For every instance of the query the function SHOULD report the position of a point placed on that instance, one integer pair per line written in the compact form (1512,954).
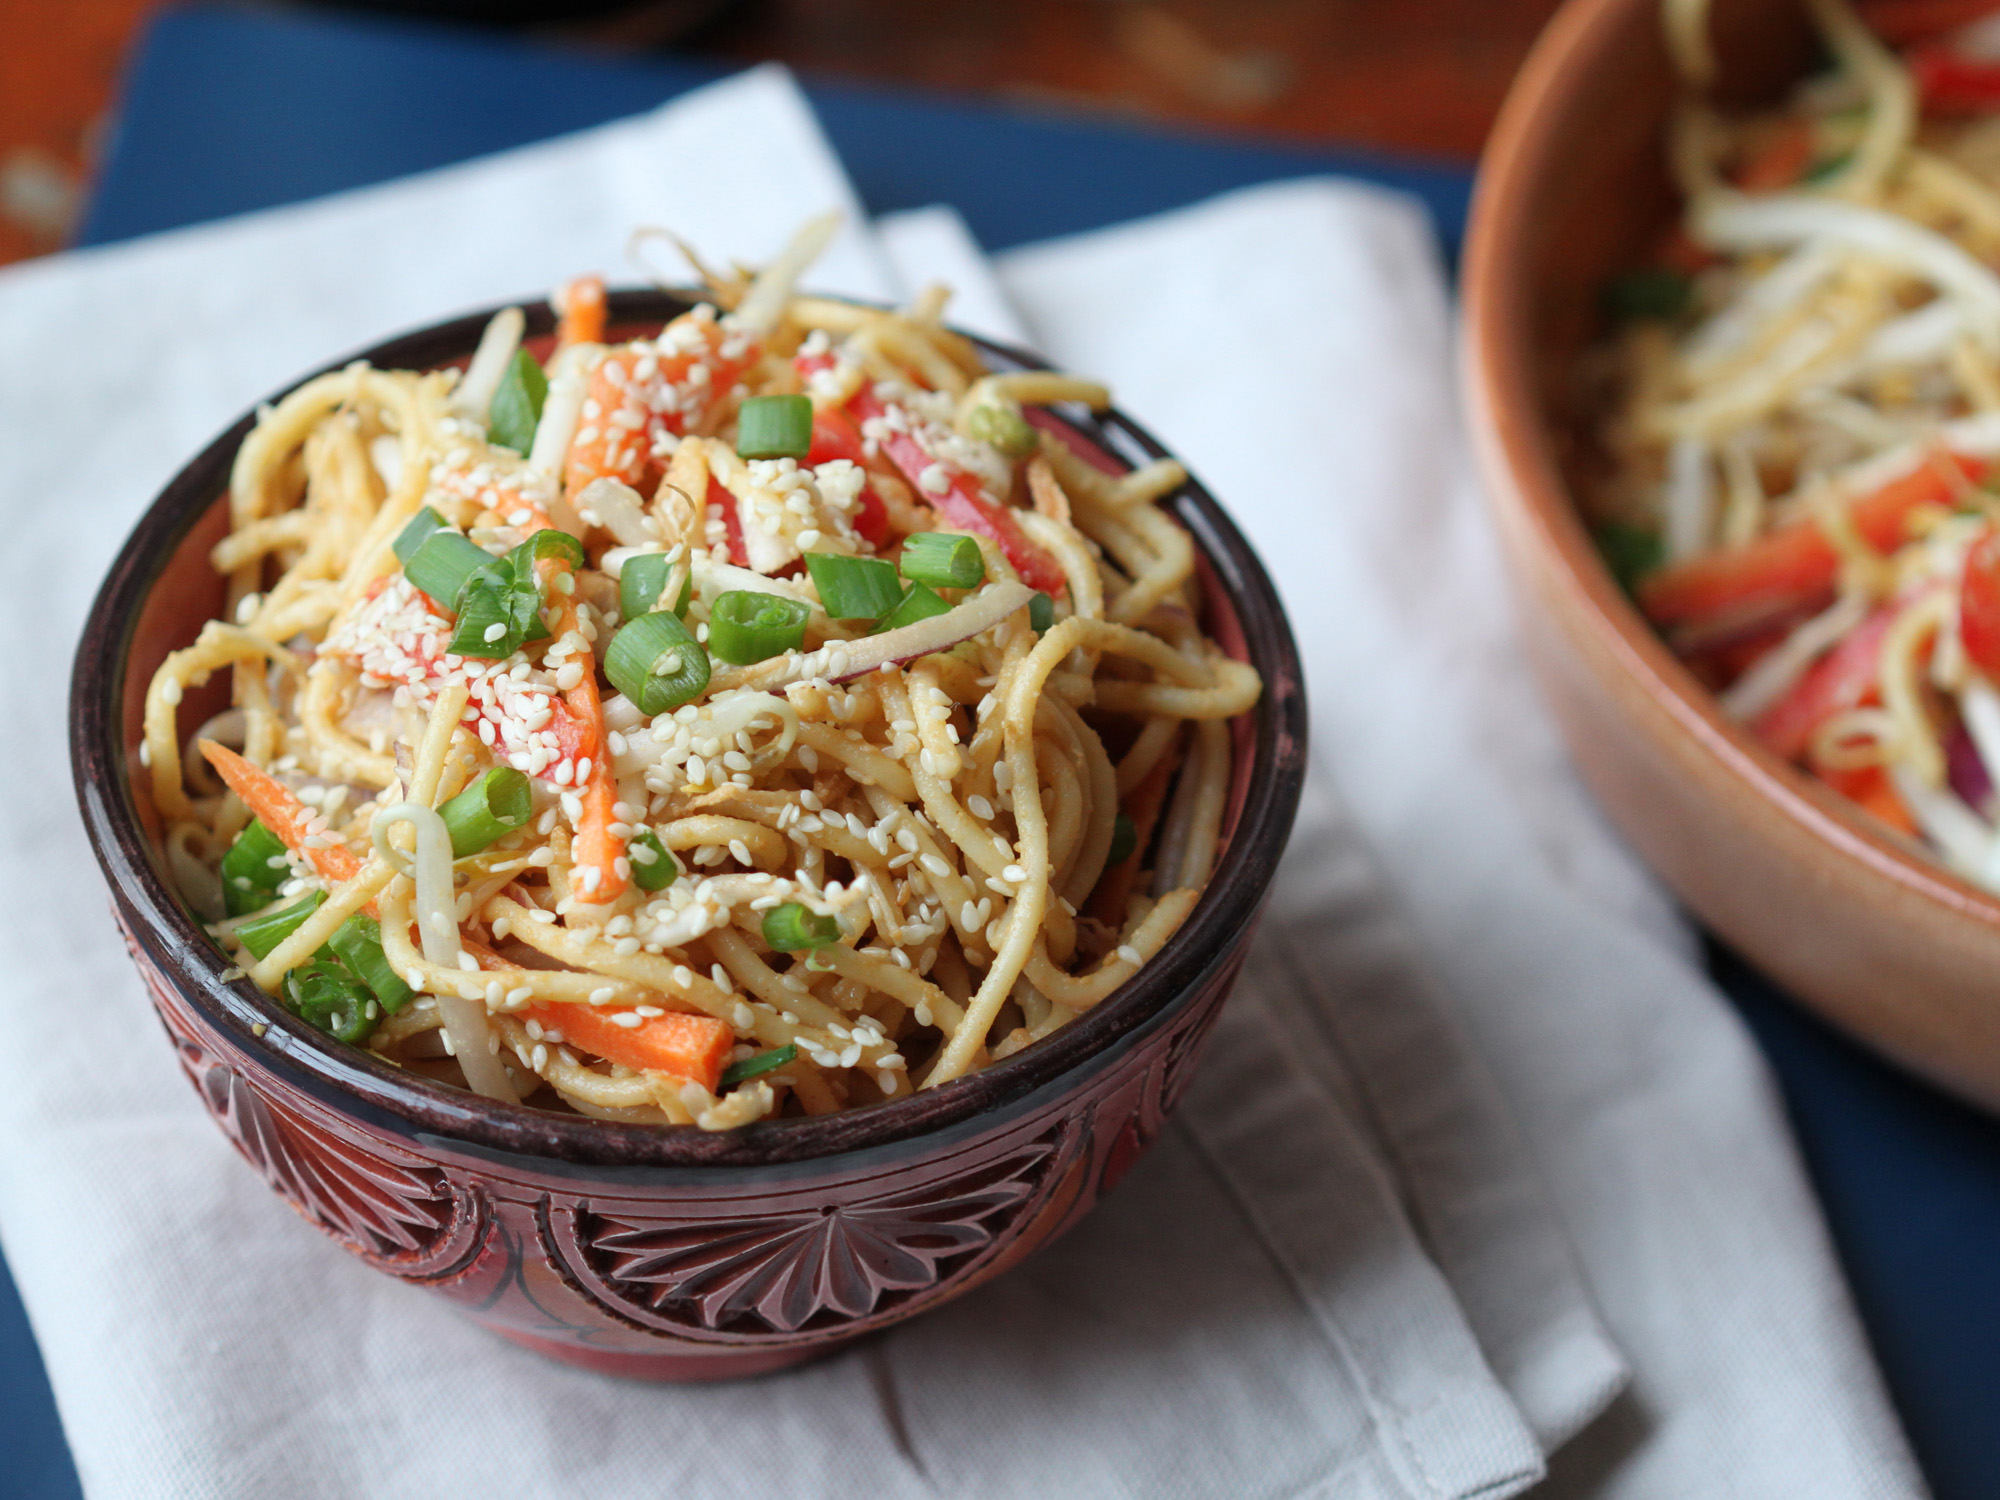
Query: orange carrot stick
(685,1046)
(278,809)
(1779,161)
(595,847)
(582,311)
(1871,788)
(620,444)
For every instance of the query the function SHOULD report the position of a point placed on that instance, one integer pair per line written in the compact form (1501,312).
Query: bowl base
(675,1369)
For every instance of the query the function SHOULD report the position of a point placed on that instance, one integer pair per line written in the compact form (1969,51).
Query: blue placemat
(229,109)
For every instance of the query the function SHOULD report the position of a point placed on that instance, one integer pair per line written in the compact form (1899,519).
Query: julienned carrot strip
(1870,787)
(620,442)
(686,1046)
(1789,566)
(278,809)
(583,312)
(595,847)
(1781,161)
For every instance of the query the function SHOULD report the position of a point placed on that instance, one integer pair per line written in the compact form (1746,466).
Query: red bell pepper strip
(1790,566)
(720,498)
(1949,83)
(1898,22)
(836,436)
(1979,604)
(1846,677)
(961,504)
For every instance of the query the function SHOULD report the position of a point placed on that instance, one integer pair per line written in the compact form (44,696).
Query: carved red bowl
(661,1251)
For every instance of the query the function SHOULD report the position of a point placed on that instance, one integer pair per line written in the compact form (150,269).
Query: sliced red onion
(1965,772)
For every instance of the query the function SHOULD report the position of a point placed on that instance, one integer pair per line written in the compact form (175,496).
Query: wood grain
(1408,75)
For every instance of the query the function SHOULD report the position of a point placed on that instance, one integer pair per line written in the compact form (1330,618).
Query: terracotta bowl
(655,1250)
(1851,918)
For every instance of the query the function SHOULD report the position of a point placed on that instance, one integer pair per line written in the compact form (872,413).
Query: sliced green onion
(640,582)
(1630,552)
(774,427)
(656,662)
(491,808)
(944,560)
(357,943)
(1656,293)
(486,619)
(854,588)
(253,869)
(1005,429)
(654,867)
(499,606)
(545,544)
(744,626)
(417,532)
(919,602)
(1124,839)
(517,404)
(445,564)
(266,932)
(1041,612)
(792,929)
(763,1062)
(327,997)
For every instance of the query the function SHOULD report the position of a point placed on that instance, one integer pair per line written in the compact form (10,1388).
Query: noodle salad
(766,716)
(1804,414)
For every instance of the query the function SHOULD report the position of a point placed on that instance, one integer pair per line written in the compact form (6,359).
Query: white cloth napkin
(1464,1096)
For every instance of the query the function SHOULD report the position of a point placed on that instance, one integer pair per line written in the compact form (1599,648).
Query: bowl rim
(1513,434)
(360,1083)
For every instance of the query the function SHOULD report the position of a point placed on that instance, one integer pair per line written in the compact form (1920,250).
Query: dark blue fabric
(229,109)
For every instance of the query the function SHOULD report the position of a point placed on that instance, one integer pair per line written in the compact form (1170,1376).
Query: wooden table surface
(1416,75)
